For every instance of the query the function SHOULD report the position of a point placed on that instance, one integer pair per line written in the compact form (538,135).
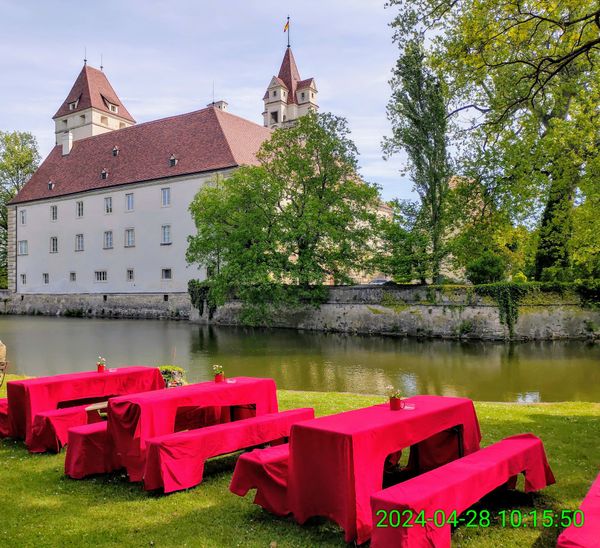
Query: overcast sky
(162,59)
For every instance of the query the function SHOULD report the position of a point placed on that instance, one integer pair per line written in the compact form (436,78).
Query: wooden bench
(176,461)
(576,536)
(50,431)
(265,470)
(445,493)
(4,421)
(90,451)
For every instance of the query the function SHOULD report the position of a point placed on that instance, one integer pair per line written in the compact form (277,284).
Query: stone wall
(174,306)
(426,312)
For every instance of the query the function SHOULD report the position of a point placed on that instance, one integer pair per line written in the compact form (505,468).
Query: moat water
(526,372)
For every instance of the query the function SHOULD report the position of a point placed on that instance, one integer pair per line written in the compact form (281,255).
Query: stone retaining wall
(427,312)
(176,306)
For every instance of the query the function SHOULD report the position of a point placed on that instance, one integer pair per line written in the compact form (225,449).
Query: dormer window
(115,150)
(50,185)
(113,108)
(173,160)
(104,174)
(73,105)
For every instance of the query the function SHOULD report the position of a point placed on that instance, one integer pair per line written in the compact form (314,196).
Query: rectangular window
(130,274)
(129,237)
(129,202)
(108,205)
(108,239)
(166,274)
(23,247)
(165,197)
(165,238)
(23,216)
(53,244)
(53,213)
(23,279)
(79,242)
(101,275)
(73,276)
(46,278)
(79,209)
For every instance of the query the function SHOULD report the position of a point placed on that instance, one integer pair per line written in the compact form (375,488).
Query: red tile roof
(92,89)
(205,140)
(290,77)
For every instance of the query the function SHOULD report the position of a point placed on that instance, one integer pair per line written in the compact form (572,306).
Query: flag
(287,26)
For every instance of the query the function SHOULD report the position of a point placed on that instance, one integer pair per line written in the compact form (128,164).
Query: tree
(19,158)
(417,111)
(403,241)
(527,73)
(275,233)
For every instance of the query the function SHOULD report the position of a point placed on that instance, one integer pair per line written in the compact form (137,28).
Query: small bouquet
(395,395)
(218,372)
(101,364)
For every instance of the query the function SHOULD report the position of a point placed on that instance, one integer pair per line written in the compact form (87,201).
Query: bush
(519,278)
(557,274)
(486,269)
(173,375)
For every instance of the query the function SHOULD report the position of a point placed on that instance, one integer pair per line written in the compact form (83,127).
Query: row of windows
(102,276)
(107,241)
(165,201)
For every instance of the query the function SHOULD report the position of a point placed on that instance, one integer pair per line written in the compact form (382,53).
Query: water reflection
(528,372)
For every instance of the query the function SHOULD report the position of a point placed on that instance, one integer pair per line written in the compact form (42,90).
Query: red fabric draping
(50,430)
(589,534)
(134,419)
(27,398)
(337,461)
(176,461)
(4,422)
(456,487)
(90,451)
(265,470)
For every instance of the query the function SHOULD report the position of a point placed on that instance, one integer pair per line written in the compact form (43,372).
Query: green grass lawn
(41,507)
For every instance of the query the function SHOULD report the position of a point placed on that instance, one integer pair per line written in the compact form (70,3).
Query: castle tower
(91,107)
(288,97)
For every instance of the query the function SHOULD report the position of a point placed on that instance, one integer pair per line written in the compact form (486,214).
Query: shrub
(519,278)
(486,269)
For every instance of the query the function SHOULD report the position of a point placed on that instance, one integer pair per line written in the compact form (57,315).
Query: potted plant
(101,364)
(396,402)
(219,374)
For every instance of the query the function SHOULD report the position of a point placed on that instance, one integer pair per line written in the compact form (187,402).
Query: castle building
(107,210)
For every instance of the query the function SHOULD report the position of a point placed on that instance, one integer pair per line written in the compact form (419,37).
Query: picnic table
(136,418)
(28,397)
(336,462)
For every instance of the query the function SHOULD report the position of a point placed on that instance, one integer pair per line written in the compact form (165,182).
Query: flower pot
(101,367)
(396,404)
(219,377)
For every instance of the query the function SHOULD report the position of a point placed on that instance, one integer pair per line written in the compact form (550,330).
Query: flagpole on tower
(287,28)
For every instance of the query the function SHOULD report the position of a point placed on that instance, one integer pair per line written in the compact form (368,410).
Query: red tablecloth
(457,486)
(26,398)
(337,461)
(136,418)
(589,534)
(4,422)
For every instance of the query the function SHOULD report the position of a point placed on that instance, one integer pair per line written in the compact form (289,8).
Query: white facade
(161,223)
(87,123)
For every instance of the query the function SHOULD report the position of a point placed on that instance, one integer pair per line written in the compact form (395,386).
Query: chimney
(67,142)
(221,105)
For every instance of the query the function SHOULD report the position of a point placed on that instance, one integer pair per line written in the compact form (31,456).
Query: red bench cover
(456,486)
(134,419)
(589,534)
(90,451)
(265,470)
(51,428)
(176,461)
(28,397)
(4,422)
(337,461)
